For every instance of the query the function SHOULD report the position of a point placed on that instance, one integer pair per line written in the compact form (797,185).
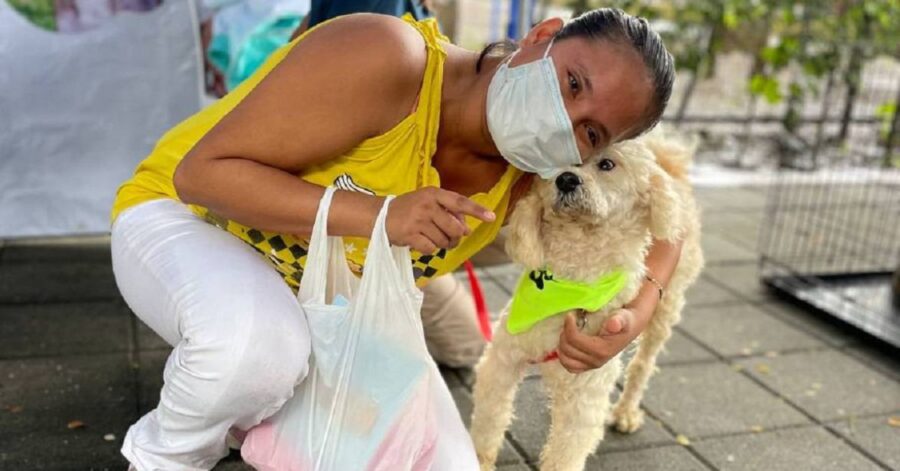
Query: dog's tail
(673,152)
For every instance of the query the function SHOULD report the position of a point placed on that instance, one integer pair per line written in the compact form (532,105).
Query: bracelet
(658,285)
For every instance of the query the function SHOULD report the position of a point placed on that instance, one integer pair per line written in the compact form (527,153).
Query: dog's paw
(627,420)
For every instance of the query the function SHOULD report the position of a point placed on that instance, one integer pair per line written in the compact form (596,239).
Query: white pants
(241,344)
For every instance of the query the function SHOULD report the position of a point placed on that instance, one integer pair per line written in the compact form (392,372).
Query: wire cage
(830,236)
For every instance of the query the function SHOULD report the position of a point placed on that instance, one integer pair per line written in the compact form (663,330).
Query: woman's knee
(250,365)
(269,360)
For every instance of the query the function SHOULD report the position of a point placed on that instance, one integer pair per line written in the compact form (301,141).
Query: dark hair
(616,26)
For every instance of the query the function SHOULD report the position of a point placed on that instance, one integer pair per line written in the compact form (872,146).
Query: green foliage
(885,112)
(766,87)
(40,12)
(811,38)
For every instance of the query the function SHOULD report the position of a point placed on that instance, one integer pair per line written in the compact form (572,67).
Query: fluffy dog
(592,220)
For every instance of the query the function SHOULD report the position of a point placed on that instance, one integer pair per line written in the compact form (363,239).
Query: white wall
(79,111)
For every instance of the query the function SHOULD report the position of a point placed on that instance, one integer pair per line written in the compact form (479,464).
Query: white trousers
(240,342)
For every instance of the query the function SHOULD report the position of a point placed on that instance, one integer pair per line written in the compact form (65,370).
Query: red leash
(481,310)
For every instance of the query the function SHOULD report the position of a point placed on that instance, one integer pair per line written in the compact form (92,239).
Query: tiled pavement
(749,381)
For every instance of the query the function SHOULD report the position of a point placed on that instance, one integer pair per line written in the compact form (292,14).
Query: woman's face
(604,86)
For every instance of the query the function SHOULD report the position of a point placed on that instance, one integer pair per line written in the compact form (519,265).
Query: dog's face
(622,188)
(614,182)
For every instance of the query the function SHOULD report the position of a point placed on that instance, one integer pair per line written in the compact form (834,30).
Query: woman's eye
(592,136)
(606,165)
(573,83)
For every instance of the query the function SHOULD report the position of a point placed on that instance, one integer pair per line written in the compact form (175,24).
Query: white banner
(83,98)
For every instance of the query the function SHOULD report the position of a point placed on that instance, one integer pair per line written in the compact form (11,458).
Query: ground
(750,381)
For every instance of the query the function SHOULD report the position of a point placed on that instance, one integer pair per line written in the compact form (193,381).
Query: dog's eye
(606,165)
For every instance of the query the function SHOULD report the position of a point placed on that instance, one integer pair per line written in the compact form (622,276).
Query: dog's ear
(666,207)
(524,242)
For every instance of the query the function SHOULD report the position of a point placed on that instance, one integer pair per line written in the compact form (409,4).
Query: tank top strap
(428,110)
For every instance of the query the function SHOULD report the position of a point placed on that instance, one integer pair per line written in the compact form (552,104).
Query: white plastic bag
(373,399)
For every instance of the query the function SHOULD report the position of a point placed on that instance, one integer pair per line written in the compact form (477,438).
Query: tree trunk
(702,70)
(853,77)
(820,126)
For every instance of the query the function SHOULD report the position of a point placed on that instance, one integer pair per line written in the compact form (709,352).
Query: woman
(373,105)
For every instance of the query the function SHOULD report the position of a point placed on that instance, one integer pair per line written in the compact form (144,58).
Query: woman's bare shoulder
(370,47)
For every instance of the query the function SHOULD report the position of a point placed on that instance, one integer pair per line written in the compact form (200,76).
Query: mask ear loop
(547,51)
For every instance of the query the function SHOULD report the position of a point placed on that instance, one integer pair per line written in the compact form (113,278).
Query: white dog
(586,233)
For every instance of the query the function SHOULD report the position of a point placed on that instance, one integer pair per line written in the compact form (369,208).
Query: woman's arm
(579,352)
(352,79)
(347,82)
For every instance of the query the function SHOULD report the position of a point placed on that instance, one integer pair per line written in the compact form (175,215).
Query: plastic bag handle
(313,288)
(396,261)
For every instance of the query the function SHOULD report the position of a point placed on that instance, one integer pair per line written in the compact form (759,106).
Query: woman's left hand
(579,352)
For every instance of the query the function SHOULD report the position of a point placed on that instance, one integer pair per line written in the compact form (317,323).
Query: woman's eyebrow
(584,76)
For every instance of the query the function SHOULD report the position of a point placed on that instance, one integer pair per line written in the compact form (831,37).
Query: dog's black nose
(567,182)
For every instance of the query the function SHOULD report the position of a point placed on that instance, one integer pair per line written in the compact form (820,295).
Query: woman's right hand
(431,218)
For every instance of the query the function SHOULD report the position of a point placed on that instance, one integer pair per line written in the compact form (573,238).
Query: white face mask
(527,118)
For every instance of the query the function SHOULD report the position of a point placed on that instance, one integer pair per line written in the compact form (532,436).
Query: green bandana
(539,295)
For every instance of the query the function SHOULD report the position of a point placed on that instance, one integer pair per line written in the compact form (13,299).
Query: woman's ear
(542,31)
(666,207)
(524,242)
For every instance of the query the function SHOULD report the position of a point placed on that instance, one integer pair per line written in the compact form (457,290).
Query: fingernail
(489,215)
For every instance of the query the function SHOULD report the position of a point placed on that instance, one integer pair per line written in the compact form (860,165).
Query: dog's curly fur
(608,222)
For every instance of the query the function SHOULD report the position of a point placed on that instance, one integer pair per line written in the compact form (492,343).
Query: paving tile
(681,349)
(91,251)
(532,419)
(532,423)
(739,227)
(491,255)
(712,398)
(507,276)
(148,339)
(875,435)
(451,377)
(508,282)
(61,451)
(718,249)
(513,467)
(65,328)
(878,356)
(651,433)
(496,297)
(744,198)
(95,389)
(233,462)
(742,279)
(49,282)
(827,384)
(794,449)
(703,293)
(667,458)
(743,329)
(508,454)
(830,330)
(150,378)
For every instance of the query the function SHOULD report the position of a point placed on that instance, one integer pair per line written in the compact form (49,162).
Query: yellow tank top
(394,163)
